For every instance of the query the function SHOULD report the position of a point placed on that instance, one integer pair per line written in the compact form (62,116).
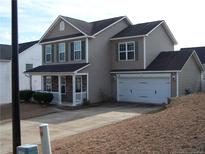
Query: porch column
(73,83)
(42,83)
(59,89)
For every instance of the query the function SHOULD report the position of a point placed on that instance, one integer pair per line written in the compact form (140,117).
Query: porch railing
(80,97)
(56,98)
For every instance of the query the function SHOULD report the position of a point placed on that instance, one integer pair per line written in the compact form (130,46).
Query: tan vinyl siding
(100,63)
(157,41)
(55,32)
(190,77)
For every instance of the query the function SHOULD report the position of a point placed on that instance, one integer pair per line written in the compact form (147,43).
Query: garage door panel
(149,90)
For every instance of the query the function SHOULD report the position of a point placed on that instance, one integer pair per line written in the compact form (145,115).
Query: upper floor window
(61,52)
(77,50)
(62,26)
(126,51)
(29,66)
(48,53)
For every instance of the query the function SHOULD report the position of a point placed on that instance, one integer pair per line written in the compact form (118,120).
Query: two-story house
(113,58)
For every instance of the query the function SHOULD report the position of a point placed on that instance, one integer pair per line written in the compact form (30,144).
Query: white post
(59,89)
(73,80)
(45,139)
(42,83)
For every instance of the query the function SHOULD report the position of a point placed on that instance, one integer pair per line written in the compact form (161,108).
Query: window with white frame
(126,51)
(48,83)
(62,26)
(77,50)
(48,53)
(61,52)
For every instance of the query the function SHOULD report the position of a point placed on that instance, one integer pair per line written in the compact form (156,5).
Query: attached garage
(146,88)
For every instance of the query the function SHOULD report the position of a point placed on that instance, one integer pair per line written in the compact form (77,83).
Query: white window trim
(59,52)
(126,51)
(46,53)
(62,26)
(74,51)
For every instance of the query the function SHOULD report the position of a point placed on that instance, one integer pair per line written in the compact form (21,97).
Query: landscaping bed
(180,128)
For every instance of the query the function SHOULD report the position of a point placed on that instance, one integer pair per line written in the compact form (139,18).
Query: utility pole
(16,128)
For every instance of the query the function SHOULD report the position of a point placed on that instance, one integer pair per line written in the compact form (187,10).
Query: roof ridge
(147,22)
(107,19)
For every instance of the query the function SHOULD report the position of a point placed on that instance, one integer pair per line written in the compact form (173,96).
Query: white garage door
(148,90)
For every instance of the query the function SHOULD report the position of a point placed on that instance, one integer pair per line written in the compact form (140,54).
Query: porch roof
(58,68)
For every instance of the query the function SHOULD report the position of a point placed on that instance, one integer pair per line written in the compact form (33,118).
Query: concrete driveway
(68,123)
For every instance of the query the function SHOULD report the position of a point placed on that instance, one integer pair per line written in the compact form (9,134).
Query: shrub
(25,95)
(188,91)
(43,98)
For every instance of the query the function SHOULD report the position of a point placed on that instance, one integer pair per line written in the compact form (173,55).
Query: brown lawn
(179,128)
(27,110)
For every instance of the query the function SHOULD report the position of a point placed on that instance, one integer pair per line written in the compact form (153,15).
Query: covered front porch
(66,82)
(68,90)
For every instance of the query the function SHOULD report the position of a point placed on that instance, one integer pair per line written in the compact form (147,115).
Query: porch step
(69,107)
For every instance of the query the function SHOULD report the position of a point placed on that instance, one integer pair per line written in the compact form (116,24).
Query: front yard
(180,128)
(27,110)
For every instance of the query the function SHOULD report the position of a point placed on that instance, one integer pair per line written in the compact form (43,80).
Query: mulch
(180,128)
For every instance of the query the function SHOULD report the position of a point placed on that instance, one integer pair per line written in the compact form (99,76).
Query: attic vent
(62,26)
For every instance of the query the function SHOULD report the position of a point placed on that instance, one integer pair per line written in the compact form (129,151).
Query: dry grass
(27,110)
(179,128)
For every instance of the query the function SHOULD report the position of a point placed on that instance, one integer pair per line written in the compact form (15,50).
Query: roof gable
(86,28)
(200,52)
(143,29)
(138,29)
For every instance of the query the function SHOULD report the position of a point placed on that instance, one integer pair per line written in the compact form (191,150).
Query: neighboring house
(30,56)
(201,54)
(5,75)
(112,58)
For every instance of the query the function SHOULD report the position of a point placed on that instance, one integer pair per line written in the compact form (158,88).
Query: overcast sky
(185,18)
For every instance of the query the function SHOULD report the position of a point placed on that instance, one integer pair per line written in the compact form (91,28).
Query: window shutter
(52,52)
(43,54)
(72,50)
(57,53)
(83,49)
(136,50)
(66,51)
(116,51)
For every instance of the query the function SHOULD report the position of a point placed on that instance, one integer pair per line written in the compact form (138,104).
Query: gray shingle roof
(91,28)
(138,29)
(6,50)
(200,52)
(166,61)
(57,68)
(26,45)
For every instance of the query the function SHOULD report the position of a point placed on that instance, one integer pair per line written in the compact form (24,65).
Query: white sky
(185,18)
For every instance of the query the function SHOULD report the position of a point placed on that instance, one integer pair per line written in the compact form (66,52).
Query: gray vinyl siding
(68,53)
(173,85)
(190,77)
(100,63)
(138,63)
(157,41)
(55,32)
